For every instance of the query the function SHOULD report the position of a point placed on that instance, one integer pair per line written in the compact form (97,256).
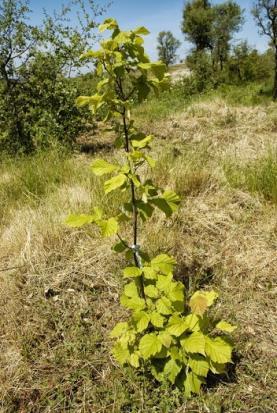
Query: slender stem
(133,191)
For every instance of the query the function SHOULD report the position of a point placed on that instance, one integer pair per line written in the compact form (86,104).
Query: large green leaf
(199,365)
(141,31)
(176,326)
(77,221)
(134,303)
(157,319)
(163,306)
(131,290)
(151,291)
(195,343)
(149,346)
(101,167)
(193,384)
(132,272)
(114,183)
(226,327)
(163,263)
(171,370)
(108,227)
(142,320)
(201,300)
(119,329)
(219,350)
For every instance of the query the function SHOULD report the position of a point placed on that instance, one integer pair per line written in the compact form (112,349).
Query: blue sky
(158,15)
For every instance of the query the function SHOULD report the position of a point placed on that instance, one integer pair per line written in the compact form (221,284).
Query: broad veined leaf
(109,24)
(165,338)
(77,221)
(219,350)
(172,199)
(199,365)
(151,162)
(151,291)
(134,303)
(164,282)
(149,273)
(176,292)
(142,143)
(119,329)
(192,321)
(195,343)
(201,300)
(142,320)
(131,290)
(120,247)
(127,339)
(217,368)
(122,355)
(163,306)
(134,360)
(176,326)
(108,227)
(226,327)
(149,346)
(163,263)
(101,167)
(157,319)
(114,183)
(141,31)
(158,69)
(193,384)
(171,370)
(132,272)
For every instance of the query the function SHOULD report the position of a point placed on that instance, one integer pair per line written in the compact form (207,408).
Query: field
(59,288)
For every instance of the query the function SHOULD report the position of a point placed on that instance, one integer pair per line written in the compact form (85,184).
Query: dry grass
(58,306)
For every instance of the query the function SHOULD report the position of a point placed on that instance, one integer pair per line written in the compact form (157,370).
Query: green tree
(228,18)
(265,14)
(166,332)
(198,17)
(167,47)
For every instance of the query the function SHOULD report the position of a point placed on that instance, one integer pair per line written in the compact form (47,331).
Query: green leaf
(134,360)
(142,143)
(142,320)
(151,291)
(219,350)
(100,167)
(163,263)
(171,370)
(109,24)
(119,330)
(195,343)
(109,227)
(165,339)
(122,355)
(172,199)
(149,346)
(176,326)
(141,31)
(163,306)
(226,327)
(192,322)
(149,273)
(199,365)
(119,247)
(151,162)
(131,290)
(193,384)
(114,183)
(176,292)
(164,282)
(77,221)
(134,303)
(132,272)
(158,69)
(157,319)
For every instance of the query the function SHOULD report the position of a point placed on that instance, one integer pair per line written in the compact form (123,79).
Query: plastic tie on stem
(136,250)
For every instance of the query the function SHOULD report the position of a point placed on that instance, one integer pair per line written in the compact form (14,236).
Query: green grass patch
(259,176)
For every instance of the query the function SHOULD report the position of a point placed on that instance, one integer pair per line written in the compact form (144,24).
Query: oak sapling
(166,330)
